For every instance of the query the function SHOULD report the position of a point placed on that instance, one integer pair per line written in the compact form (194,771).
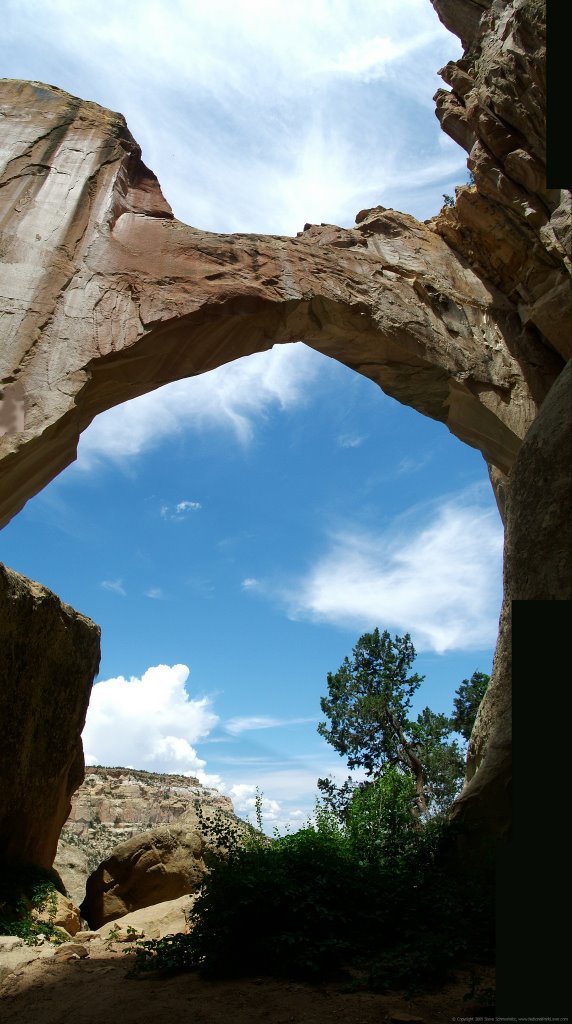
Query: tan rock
(70,951)
(46,648)
(116,297)
(162,864)
(72,865)
(167,918)
(114,804)
(62,913)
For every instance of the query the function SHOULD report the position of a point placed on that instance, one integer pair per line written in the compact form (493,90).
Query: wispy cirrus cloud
(234,398)
(248,723)
(350,440)
(436,574)
(115,586)
(273,93)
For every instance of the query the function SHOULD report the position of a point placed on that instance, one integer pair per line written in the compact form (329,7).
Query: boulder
(49,655)
(163,864)
(167,918)
(63,914)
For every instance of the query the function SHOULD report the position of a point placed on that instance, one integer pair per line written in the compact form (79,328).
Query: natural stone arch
(466,317)
(109,296)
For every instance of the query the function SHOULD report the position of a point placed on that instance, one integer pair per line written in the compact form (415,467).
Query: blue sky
(234,534)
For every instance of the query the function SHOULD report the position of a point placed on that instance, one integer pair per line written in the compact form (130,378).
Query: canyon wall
(49,655)
(466,318)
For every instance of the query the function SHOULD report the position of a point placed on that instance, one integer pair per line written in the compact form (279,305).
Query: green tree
(466,703)
(368,707)
(442,758)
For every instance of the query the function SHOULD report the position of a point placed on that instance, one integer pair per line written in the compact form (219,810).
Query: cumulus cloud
(150,722)
(437,577)
(233,398)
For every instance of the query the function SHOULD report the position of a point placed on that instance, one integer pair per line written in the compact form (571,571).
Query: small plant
(112,935)
(25,891)
(448,200)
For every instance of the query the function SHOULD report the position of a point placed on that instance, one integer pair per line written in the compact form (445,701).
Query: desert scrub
(24,889)
(336,901)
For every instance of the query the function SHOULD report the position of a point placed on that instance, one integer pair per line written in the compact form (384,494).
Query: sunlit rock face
(161,864)
(512,229)
(114,804)
(108,296)
(105,296)
(49,655)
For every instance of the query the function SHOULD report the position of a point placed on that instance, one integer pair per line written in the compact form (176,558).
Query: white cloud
(150,722)
(350,440)
(438,578)
(155,593)
(248,723)
(233,397)
(116,586)
(243,797)
(239,134)
(180,509)
(250,583)
(369,59)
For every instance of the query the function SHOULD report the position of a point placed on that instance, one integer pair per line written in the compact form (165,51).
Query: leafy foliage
(24,889)
(466,703)
(371,899)
(368,704)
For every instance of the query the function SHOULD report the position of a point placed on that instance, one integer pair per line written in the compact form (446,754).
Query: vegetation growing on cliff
(25,891)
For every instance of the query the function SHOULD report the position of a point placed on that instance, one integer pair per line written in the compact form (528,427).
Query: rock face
(162,864)
(114,804)
(465,318)
(108,296)
(49,655)
(512,229)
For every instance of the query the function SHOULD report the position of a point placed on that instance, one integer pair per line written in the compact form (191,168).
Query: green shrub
(23,889)
(335,901)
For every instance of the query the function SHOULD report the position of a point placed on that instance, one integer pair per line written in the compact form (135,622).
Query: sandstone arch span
(108,296)
(104,295)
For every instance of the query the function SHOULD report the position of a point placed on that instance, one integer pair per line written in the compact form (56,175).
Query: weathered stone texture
(107,296)
(49,655)
(466,318)
(511,228)
(159,865)
(114,804)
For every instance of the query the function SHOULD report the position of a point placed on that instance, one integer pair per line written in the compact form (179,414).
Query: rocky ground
(95,988)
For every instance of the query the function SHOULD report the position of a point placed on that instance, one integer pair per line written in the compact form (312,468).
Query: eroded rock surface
(167,862)
(49,655)
(114,804)
(106,296)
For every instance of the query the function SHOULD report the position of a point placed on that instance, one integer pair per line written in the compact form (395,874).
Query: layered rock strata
(49,655)
(114,804)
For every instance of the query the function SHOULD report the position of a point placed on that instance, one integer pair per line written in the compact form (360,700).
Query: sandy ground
(96,990)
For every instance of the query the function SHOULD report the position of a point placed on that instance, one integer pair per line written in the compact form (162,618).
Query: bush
(23,889)
(334,900)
